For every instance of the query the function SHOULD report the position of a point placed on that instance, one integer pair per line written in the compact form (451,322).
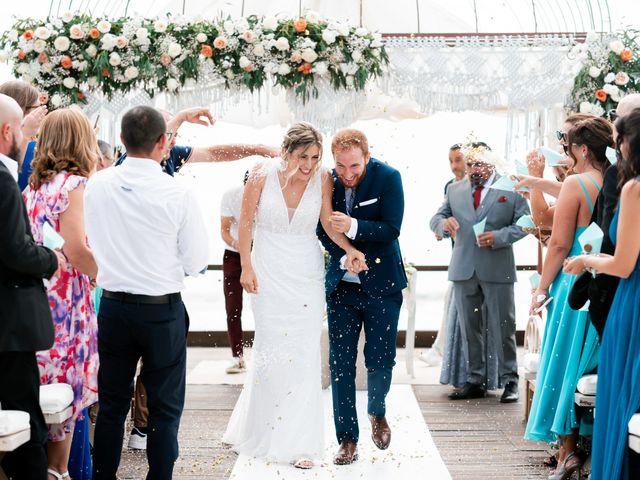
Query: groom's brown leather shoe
(347,453)
(380,432)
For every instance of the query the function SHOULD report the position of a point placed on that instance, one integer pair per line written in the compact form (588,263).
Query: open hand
(195,115)
(535,164)
(31,122)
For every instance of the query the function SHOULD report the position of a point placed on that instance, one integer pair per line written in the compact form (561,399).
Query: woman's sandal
(304,463)
(57,475)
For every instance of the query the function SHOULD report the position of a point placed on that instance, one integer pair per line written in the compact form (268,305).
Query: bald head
(10,127)
(627,104)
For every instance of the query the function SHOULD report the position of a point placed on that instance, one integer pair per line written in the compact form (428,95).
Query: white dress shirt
(230,206)
(145,229)
(11,164)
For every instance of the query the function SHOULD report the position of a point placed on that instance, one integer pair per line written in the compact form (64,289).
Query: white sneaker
(237,366)
(137,439)
(431,357)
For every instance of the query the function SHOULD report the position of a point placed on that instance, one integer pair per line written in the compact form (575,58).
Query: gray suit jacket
(502,210)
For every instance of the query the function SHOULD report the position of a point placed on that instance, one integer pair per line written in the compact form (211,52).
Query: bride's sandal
(304,463)
(57,475)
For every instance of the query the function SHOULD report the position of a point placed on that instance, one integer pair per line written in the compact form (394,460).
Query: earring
(584,157)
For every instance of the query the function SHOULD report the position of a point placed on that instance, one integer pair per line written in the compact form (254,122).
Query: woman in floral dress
(66,155)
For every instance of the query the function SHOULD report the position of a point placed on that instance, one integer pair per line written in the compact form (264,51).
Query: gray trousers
(487,309)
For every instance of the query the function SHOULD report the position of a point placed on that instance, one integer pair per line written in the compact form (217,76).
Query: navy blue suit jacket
(379,207)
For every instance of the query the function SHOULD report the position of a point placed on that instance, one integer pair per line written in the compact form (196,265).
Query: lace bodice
(273,214)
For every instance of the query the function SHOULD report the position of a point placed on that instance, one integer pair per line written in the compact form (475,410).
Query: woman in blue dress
(618,393)
(570,343)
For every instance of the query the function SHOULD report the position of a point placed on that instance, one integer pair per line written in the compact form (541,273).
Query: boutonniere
(502,199)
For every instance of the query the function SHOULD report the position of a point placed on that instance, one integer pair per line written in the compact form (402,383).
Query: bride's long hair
(300,135)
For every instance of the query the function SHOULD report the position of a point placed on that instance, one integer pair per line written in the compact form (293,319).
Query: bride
(279,414)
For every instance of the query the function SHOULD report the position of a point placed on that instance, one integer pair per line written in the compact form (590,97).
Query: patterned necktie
(476,196)
(349,197)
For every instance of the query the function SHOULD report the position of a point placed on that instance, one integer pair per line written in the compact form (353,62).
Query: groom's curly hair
(349,138)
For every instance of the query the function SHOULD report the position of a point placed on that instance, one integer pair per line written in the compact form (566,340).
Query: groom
(368,205)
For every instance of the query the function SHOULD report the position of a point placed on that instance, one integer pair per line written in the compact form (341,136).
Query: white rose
(69,82)
(616,47)
(42,32)
(609,77)
(131,72)
(595,72)
(229,74)
(47,67)
(357,56)
(284,69)
(609,88)
(343,30)
(244,62)
(122,41)
(309,55)
(321,68)
(258,50)
(114,59)
(361,32)
(329,36)
(282,44)
(585,107)
(248,36)
(622,78)
(349,80)
(108,41)
(172,84)
(312,16)
(23,69)
(104,26)
(61,43)
(174,50)
(160,26)
(201,38)
(92,50)
(67,16)
(270,23)
(56,100)
(4,56)
(142,32)
(76,32)
(92,82)
(39,45)
(229,27)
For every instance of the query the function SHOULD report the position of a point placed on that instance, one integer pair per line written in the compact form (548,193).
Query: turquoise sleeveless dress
(618,395)
(569,350)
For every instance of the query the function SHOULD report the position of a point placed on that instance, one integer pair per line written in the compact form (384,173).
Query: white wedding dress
(279,414)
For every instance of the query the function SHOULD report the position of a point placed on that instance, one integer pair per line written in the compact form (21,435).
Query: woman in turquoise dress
(570,343)
(618,394)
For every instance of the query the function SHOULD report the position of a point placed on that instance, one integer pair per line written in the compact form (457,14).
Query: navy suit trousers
(348,309)
(126,333)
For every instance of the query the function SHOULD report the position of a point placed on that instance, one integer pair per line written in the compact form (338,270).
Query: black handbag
(579,293)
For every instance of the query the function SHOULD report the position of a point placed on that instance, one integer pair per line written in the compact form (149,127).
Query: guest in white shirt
(231,270)
(146,232)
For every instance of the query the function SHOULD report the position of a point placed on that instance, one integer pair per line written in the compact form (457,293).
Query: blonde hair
(301,135)
(22,92)
(66,143)
(348,138)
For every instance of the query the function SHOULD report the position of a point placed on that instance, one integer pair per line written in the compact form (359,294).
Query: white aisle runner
(412,453)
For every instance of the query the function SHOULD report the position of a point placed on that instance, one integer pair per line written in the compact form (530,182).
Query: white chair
(585,395)
(532,343)
(14,429)
(56,401)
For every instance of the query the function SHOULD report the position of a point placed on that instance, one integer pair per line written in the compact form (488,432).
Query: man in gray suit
(482,268)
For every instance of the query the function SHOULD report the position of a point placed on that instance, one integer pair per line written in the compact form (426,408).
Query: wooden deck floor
(479,439)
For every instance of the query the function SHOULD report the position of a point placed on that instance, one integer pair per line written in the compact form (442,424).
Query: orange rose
(305,68)
(165,59)
(300,25)
(21,54)
(206,51)
(43,57)
(81,96)
(626,55)
(28,35)
(94,33)
(66,62)
(105,72)
(43,98)
(601,95)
